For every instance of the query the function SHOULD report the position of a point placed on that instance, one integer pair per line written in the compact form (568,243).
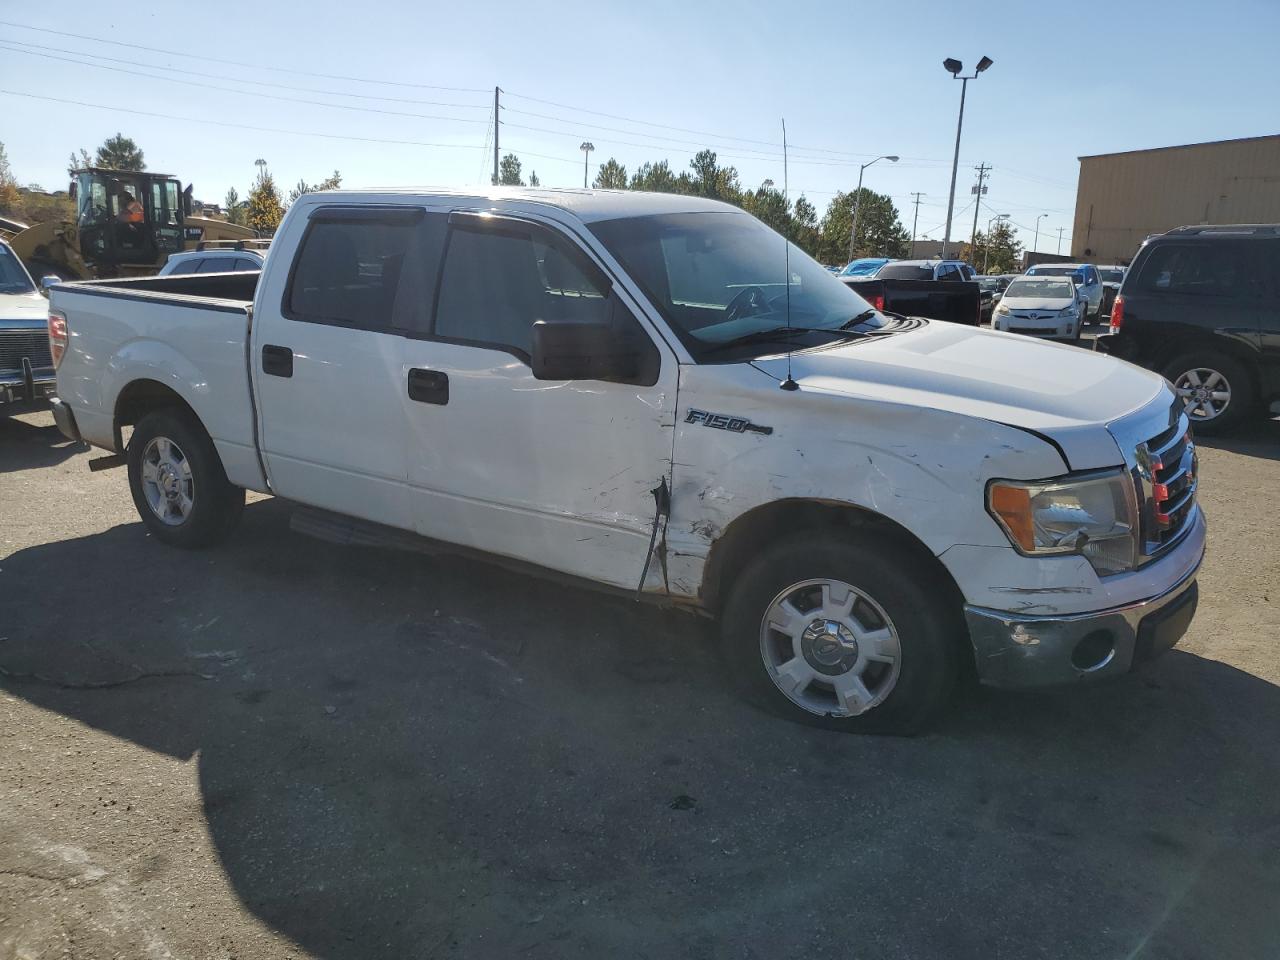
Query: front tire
(178,485)
(1216,390)
(843,635)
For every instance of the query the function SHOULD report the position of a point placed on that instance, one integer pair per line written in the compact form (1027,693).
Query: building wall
(1123,198)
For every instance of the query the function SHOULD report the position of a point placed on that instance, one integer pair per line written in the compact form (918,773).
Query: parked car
(1049,307)
(992,288)
(1086,278)
(951,271)
(634,391)
(218,257)
(864,267)
(1202,306)
(26,368)
(1112,277)
(934,289)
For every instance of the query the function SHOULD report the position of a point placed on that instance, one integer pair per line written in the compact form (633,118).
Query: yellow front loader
(127,224)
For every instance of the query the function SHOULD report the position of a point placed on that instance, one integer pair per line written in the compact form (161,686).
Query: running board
(352,531)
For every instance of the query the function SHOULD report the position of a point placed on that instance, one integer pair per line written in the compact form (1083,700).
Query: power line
(239,63)
(248,93)
(224,77)
(239,126)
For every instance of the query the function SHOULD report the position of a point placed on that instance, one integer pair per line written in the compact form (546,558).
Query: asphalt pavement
(283,748)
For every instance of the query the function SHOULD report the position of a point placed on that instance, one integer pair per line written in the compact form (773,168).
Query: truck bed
(951,300)
(184,334)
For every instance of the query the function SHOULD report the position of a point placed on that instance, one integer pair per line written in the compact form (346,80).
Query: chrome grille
(1166,478)
(32,344)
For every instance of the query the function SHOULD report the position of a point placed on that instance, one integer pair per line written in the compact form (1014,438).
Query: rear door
(1192,296)
(327,361)
(559,474)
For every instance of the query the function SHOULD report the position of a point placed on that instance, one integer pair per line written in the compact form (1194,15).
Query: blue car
(864,267)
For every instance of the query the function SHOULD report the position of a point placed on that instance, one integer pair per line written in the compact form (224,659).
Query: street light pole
(586,148)
(1035,244)
(857,199)
(954,67)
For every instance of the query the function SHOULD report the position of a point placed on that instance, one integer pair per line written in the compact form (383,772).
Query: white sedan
(1048,307)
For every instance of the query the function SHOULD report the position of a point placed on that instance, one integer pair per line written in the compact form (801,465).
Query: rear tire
(862,640)
(1216,388)
(178,485)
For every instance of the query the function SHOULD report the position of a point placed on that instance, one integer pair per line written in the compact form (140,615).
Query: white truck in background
(635,390)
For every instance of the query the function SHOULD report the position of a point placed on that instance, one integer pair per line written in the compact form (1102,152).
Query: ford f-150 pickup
(654,394)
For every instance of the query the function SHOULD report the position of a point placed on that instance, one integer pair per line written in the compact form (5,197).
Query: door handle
(428,386)
(277,361)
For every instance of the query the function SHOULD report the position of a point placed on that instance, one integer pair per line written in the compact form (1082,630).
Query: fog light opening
(1094,651)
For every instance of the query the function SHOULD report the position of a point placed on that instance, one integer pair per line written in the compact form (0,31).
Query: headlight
(1002,309)
(1094,516)
(1068,312)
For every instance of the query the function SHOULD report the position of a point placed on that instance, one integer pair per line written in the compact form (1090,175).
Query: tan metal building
(1125,197)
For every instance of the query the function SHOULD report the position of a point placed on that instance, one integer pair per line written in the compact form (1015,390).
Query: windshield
(1051,271)
(1112,276)
(1035,289)
(13,276)
(907,271)
(990,283)
(717,277)
(863,268)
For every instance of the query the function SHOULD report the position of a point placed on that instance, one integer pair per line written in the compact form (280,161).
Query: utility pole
(978,191)
(914,220)
(496,107)
(1060,229)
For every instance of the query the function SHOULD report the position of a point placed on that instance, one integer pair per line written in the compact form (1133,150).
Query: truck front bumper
(26,385)
(1014,650)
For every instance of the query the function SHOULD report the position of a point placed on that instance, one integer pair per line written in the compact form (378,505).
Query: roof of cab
(586,205)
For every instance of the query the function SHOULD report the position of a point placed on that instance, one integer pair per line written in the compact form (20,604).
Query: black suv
(1202,306)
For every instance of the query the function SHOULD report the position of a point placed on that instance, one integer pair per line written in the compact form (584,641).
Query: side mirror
(50,280)
(567,350)
(186,201)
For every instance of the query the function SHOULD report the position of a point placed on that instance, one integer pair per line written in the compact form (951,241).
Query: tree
(804,226)
(533,179)
(237,210)
(265,208)
(612,176)
(712,180)
(880,232)
(119,153)
(76,163)
(509,171)
(770,207)
(658,178)
(999,251)
(10,199)
(328,183)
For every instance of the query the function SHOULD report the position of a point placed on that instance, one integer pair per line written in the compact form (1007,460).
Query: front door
(327,362)
(560,474)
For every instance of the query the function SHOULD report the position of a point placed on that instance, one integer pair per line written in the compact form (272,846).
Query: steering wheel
(753,298)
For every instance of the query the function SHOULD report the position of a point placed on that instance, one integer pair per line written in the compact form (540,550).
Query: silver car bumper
(1029,651)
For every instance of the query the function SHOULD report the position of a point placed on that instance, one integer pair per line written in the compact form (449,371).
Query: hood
(1037,303)
(23,306)
(1063,392)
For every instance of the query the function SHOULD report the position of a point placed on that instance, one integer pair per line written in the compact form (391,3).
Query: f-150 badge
(723,421)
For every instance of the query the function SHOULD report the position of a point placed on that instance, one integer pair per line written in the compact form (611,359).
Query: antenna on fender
(789,383)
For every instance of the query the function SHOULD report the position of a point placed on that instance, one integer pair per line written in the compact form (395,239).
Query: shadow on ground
(30,446)
(1260,438)
(403,756)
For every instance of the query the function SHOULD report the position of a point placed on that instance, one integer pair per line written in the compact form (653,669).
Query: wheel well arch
(141,397)
(770,522)
(1241,353)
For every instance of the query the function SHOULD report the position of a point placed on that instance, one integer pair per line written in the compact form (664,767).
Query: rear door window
(1198,270)
(372,268)
(216,265)
(186,266)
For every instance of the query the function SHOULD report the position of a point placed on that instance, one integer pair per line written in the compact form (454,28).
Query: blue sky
(854,80)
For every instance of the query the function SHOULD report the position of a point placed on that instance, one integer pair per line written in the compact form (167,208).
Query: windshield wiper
(779,333)
(854,321)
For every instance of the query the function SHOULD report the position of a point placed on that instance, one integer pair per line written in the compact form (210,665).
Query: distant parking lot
(282,748)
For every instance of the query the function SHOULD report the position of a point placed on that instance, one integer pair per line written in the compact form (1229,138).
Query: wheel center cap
(829,646)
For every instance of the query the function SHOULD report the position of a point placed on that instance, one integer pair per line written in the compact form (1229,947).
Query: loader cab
(128,218)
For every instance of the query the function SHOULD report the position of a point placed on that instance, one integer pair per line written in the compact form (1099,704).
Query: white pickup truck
(650,393)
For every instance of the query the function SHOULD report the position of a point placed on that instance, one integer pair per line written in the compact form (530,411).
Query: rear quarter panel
(194,347)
